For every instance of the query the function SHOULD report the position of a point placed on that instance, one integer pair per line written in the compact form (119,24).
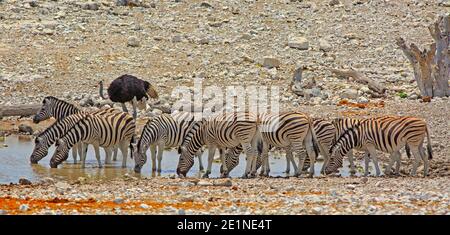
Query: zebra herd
(231,133)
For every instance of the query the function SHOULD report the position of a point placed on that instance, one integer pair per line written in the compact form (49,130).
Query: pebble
(350,186)
(300,43)
(118,200)
(3,212)
(349,94)
(181,212)
(23,207)
(378,184)
(324,45)
(23,181)
(25,129)
(63,186)
(133,41)
(144,206)
(271,62)
(204,183)
(317,210)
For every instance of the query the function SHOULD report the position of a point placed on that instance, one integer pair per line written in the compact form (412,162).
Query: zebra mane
(193,128)
(348,132)
(74,124)
(59,100)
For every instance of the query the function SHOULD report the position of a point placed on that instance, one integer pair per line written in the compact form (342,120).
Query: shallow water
(14,164)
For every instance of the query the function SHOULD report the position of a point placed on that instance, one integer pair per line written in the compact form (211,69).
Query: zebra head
(185,163)
(40,150)
(61,153)
(45,112)
(139,157)
(347,141)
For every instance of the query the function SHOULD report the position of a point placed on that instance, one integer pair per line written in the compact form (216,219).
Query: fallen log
(19,110)
(359,77)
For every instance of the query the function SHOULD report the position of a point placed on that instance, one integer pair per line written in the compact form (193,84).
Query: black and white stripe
(225,130)
(166,130)
(116,129)
(387,134)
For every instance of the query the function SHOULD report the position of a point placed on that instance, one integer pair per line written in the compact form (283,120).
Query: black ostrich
(128,88)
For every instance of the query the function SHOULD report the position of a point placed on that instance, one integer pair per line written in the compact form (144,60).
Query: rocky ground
(63,48)
(236,196)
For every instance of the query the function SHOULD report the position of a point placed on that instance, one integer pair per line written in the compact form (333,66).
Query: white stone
(300,43)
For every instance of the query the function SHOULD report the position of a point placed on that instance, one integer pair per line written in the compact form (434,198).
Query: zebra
(387,135)
(225,130)
(325,135)
(290,131)
(166,130)
(343,124)
(105,131)
(48,137)
(59,109)
(232,159)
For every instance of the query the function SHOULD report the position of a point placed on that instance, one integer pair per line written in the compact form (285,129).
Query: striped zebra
(166,130)
(232,159)
(343,124)
(225,130)
(59,109)
(105,131)
(387,134)
(48,137)
(290,131)
(325,133)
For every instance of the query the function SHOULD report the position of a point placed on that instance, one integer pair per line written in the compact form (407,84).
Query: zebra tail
(408,151)
(317,147)
(430,151)
(131,146)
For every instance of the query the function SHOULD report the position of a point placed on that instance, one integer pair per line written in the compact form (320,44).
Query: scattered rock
(324,45)
(378,184)
(62,186)
(181,212)
(364,180)
(23,207)
(349,94)
(350,186)
(334,3)
(271,62)
(3,212)
(317,210)
(226,183)
(23,128)
(144,206)
(118,200)
(300,43)
(204,183)
(206,4)
(23,181)
(93,6)
(133,41)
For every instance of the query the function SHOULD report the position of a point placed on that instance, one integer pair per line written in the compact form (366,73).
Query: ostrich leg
(124,107)
(133,102)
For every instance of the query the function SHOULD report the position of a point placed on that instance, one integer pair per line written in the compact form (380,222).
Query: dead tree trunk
(359,77)
(431,67)
(19,110)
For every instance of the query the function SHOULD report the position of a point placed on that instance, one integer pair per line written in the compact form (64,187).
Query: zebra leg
(200,163)
(373,155)
(115,153)
(124,149)
(366,164)
(250,154)
(74,152)
(80,150)
(292,160)
(311,154)
(222,159)
(388,170)
(288,162)
(153,155)
(97,155)
(160,156)
(265,168)
(352,163)
(425,160)
(108,152)
(108,156)
(211,153)
(83,155)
